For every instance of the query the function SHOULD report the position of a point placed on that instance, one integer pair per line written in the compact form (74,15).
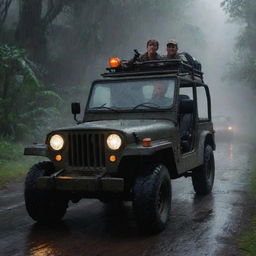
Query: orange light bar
(58,158)
(114,62)
(146,142)
(112,158)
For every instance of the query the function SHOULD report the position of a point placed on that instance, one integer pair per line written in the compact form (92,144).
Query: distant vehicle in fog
(224,127)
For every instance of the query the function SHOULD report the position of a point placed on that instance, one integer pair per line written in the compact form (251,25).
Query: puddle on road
(11,207)
(203,215)
(198,225)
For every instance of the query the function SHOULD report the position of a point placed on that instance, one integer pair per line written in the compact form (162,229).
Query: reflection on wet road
(198,225)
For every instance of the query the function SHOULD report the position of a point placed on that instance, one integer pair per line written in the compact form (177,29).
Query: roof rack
(154,67)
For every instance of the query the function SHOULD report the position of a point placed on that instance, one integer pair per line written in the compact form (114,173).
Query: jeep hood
(155,129)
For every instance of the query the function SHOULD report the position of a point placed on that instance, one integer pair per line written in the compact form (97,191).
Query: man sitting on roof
(172,51)
(151,54)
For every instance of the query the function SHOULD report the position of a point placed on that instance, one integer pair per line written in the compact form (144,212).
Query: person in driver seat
(158,97)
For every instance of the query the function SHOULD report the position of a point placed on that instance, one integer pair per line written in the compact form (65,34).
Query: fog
(205,31)
(229,97)
(215,47)
(209,35)
(220,37)
(216,52)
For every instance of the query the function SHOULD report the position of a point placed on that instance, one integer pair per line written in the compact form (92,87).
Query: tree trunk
(30,33)
(4,7)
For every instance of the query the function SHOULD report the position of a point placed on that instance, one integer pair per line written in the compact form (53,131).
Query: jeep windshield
(132,95)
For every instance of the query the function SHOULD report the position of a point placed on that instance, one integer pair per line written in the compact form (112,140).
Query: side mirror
(75,108)
(186,106)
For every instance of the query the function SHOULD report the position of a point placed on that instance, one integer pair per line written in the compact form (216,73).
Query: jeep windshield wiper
(103,107)
(150,105)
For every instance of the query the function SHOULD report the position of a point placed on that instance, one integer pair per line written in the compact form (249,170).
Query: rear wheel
(43,206)
(203,176)
(152,199)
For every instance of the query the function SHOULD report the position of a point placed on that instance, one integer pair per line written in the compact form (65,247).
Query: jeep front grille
(86,149)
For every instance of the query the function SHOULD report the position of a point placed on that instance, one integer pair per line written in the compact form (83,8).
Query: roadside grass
(14,170)
(247,242)
(13,164)
(254,179)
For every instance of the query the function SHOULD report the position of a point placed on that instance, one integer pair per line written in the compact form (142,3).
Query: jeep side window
(202,104)
(187,91)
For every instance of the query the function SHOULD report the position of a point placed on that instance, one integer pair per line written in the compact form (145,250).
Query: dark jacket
(178,56)
(162,101)
(144,57)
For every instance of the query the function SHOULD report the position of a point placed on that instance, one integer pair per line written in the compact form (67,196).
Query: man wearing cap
(151,54)
(172,51)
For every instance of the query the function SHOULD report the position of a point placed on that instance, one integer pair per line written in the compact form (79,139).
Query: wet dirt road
(198,225)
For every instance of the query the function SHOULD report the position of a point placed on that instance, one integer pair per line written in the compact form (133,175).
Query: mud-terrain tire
(43,206)
(152,199)
(203,176)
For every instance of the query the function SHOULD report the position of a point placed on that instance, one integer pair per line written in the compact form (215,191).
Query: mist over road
(198,225)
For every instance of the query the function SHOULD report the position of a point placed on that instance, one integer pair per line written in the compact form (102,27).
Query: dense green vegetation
(244,67)
(67,44)
(24,103)
(25,110)
(13,165)
(51,49)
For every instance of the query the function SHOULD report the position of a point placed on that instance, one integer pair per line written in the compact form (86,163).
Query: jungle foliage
(4,7)
(67,44)
(243,11)
(24,103)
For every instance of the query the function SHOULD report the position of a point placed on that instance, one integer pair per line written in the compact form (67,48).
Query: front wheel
(43,206)
(203,176)
(152,199)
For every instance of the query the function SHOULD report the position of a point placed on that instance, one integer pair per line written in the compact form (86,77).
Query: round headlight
(114,141)
(56,142)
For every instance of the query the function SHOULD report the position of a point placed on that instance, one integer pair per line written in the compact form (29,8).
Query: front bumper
(85,184)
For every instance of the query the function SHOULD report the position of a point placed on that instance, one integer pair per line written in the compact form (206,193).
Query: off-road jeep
(129,144)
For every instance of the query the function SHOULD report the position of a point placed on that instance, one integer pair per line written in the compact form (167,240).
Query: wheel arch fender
(161,154)
(37,150)
(167,158)
(206,138)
